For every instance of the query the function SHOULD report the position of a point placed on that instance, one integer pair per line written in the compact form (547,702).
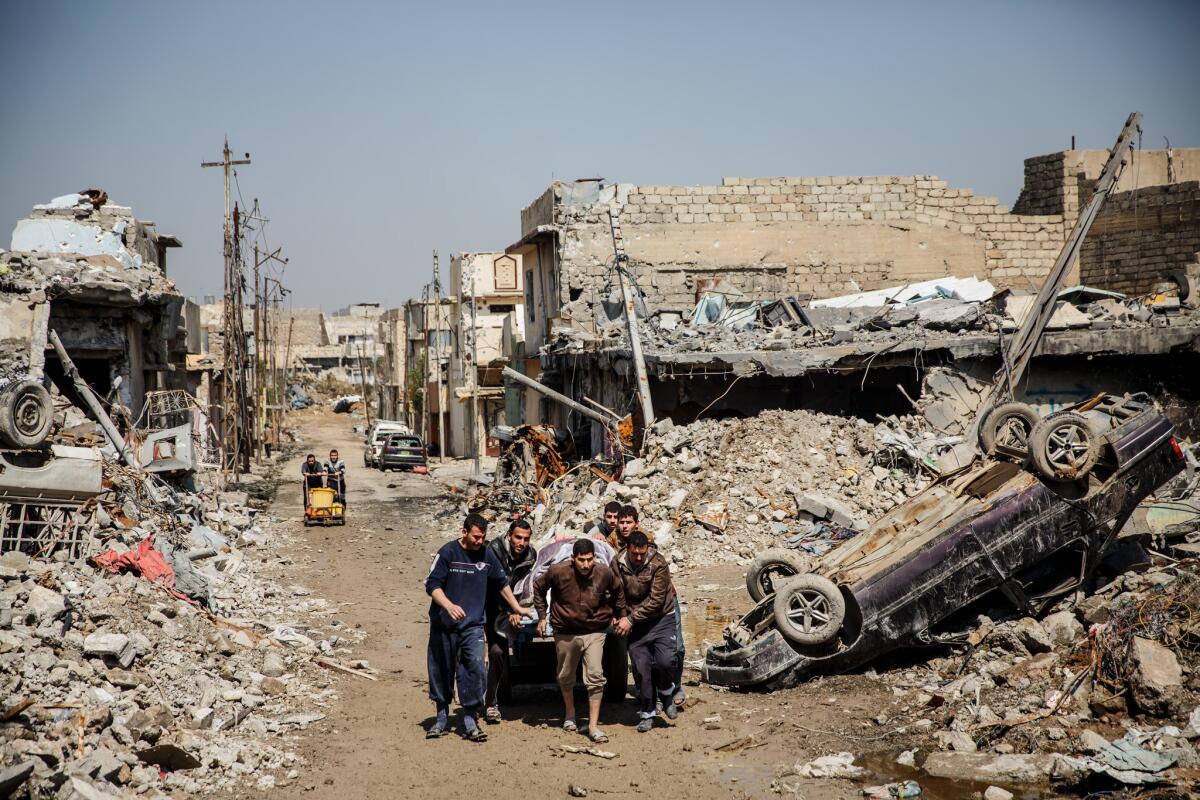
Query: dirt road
(372,745)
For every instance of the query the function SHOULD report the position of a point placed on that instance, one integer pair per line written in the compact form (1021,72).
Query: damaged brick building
(766,239)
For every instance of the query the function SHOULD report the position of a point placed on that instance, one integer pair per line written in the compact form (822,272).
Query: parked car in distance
(1000,537)
(402,451)
(376,437)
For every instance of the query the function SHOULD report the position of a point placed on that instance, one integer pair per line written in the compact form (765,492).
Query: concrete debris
(725,490)
(838,765)
(156,692)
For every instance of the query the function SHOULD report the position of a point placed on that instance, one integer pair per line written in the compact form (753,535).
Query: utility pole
(260,329)
(437,336)
(475,437)
(635,339)
(426,428)
(362,378)
(233,346)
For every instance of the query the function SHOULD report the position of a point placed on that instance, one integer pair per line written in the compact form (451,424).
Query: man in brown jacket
(650,626)
(586,598)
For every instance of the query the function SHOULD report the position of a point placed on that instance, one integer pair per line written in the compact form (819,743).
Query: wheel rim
(1013,432)
(1068,447)
(809,610)
(28,415)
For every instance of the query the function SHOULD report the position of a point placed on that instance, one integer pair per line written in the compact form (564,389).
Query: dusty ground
(372,745)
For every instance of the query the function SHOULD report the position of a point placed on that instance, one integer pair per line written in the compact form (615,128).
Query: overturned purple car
(1025,524)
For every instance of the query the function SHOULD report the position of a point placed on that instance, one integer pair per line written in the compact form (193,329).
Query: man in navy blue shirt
(464,573)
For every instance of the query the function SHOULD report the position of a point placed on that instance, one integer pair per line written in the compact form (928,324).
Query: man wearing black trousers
(464,572)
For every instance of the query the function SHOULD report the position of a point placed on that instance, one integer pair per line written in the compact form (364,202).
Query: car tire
(1063,447)
(1008,424)
(769,566)
(26,414)
(809,609)
(616,668)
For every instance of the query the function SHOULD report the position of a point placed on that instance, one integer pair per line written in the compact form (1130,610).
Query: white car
(376,438)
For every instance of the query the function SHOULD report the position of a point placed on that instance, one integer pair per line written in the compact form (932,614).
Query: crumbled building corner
(144,646)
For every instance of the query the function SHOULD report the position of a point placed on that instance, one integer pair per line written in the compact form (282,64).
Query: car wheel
(769,567)
(26,414)
(1064,447)
(809,609)
(616,669)
(1008,425)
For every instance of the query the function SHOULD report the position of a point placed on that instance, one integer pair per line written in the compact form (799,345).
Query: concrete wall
(1142,237)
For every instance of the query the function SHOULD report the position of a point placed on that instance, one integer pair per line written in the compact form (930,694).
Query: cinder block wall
(1142,237)
(817,236)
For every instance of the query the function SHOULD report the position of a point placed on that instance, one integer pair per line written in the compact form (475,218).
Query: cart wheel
(770,567)
(1064,447)
(809,609)
(1008,425)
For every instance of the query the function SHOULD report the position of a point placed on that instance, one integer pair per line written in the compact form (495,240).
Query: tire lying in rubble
(1063,447)
(26,414)
(809,609)
(1008,425)
(769,567)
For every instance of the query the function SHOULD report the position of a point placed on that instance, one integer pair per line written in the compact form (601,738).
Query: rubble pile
(170,662)
(877,320)
(1103,688)
(724,490)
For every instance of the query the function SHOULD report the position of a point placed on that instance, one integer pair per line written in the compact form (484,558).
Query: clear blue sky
(380,131)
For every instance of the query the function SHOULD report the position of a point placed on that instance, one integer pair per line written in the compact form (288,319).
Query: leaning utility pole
(437,337)
(635,339)
(233,398)
(426,427)
(362,379)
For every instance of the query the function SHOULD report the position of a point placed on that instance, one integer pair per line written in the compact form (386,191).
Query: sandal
(476,735)
(569,725)
(598,736)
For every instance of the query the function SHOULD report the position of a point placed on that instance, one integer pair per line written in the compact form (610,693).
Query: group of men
(330,475)
(611,585)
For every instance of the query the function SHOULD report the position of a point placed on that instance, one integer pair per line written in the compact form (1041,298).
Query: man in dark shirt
(517,557)
(586,598)
(335,476)
(464,572)
(313,474)
(650,626)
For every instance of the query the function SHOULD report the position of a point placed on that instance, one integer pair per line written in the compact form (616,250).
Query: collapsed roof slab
(863,355)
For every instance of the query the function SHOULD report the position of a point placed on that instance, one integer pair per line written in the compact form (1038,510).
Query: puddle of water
(884,769)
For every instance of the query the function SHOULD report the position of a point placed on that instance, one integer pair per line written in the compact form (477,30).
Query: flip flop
(598,736)
(476,735)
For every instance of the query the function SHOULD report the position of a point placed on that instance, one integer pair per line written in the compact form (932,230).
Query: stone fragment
(1157,676)
(273,665)
(1033,636)
(14,776)
(115,646)
(44,605)
(675,500)
(996,793)
(957,741)
(988,767)
(1062,628)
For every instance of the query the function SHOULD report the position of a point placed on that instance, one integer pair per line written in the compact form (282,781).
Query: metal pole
(583,410)
(437,311)
(635,343)
(89,397)
(475,432)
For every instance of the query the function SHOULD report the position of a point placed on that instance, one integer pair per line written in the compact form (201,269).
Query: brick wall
(815,236)
(1141,237)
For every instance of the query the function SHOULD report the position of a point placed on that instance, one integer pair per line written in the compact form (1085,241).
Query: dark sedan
(402,451)
(998,534)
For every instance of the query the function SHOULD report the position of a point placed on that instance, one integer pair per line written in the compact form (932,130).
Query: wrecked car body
(995,534)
